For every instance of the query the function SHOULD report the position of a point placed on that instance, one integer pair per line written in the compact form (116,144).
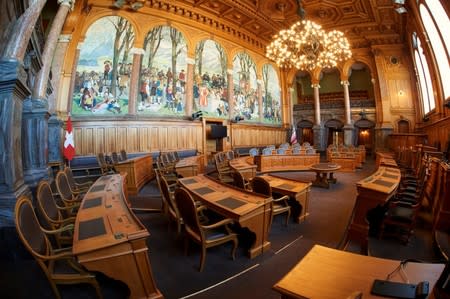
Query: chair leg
(98,290)
(287,217)
(54,288)
(202,258)
(233,251)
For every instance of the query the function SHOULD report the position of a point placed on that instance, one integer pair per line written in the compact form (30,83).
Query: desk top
(385,180)
(189,161)
(104,218)
(278,183)
(328,273)
(229,201)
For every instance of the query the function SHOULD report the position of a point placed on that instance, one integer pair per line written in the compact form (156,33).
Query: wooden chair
(253,152)
(240,181)
(205,235)
(278,205)
(267,151)
(59,265)
(223,168)
(77,188)
(281,151)
(115,157)
(105,167)
(123,155)
(52,216)
(170,206)
(69,198)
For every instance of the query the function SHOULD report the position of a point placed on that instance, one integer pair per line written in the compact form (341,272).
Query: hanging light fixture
(306,46)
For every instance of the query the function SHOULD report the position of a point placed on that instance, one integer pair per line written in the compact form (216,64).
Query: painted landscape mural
(271,97)
(104,67)
(245,88)
(163,73)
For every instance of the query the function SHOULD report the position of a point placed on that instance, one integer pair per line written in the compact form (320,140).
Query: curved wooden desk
(245,166)
(324,174)
(249,209)
(139,170)
(190,166)
(294,162)
(110,239)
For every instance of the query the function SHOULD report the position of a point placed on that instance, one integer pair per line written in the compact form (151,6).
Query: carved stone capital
(68,3)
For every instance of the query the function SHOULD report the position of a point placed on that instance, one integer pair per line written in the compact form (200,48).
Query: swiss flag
(69,145)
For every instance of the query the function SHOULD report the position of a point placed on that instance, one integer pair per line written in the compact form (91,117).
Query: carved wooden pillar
(348,127)
(316,87)
(189,86)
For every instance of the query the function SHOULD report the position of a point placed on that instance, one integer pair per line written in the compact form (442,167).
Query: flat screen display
(218,131)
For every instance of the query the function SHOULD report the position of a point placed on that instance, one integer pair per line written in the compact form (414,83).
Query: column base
(318,138)
(7,204)
(349,135)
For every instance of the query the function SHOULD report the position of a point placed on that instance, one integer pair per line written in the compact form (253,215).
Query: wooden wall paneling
(99,140)
(153,139)
(162,138)
(172,138)
(110,141)
(121,138)
(78,140)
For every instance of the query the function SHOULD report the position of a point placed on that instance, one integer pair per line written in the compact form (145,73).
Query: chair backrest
(253,152)
(267,151)
(239,180)
(46,206)
(101,160)
(123,155)
(281,151)
(284,145)
(115,157)
(70,178)
(167,197)
(63,186)
(188,212)
(261,186)
(296,150)
(310,151)
(30,231)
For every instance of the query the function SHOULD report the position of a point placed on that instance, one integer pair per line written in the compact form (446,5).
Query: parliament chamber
(143,141)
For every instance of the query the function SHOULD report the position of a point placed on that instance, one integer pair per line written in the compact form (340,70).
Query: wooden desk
(327,273)
(297,190)
(324,174)
(245,166)
(248,209)
(292,162)
(190,166)
(373,191)
(110,239)
(140,171)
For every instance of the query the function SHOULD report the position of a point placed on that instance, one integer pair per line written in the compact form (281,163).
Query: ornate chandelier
(307,46)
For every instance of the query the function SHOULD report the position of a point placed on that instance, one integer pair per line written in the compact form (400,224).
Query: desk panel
(190,166)
(285,162)
(139,170)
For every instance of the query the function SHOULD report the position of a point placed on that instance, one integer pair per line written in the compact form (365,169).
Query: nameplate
(91,228)
(97,188)
(90,203)
(231,203)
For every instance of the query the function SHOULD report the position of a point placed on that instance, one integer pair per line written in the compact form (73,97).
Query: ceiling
(365,22)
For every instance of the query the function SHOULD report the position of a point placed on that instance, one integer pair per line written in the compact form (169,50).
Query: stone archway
(365,134)
(305,132)
(334,131)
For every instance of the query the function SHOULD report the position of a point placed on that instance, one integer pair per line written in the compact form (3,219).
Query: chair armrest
(218,224)
(283,198)
(59,230)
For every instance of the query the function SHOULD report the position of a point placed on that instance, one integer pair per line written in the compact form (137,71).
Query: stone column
(260,100)
(230,93)
(58,60)
(189,86)
(13,91)
(138,53)
(317,128)
(348,127)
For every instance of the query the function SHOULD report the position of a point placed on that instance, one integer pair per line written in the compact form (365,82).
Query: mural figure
(245,87)
(104,67)
(271,98)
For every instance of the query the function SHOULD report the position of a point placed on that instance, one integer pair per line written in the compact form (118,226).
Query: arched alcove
(403,126)
(333,131)
(365,134)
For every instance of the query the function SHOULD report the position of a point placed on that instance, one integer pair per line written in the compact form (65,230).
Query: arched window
(437,26)
(425,86)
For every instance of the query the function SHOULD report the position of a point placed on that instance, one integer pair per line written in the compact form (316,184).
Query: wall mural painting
(271,97)
(104,68)
(210,80)
(245,88)
(163,73)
